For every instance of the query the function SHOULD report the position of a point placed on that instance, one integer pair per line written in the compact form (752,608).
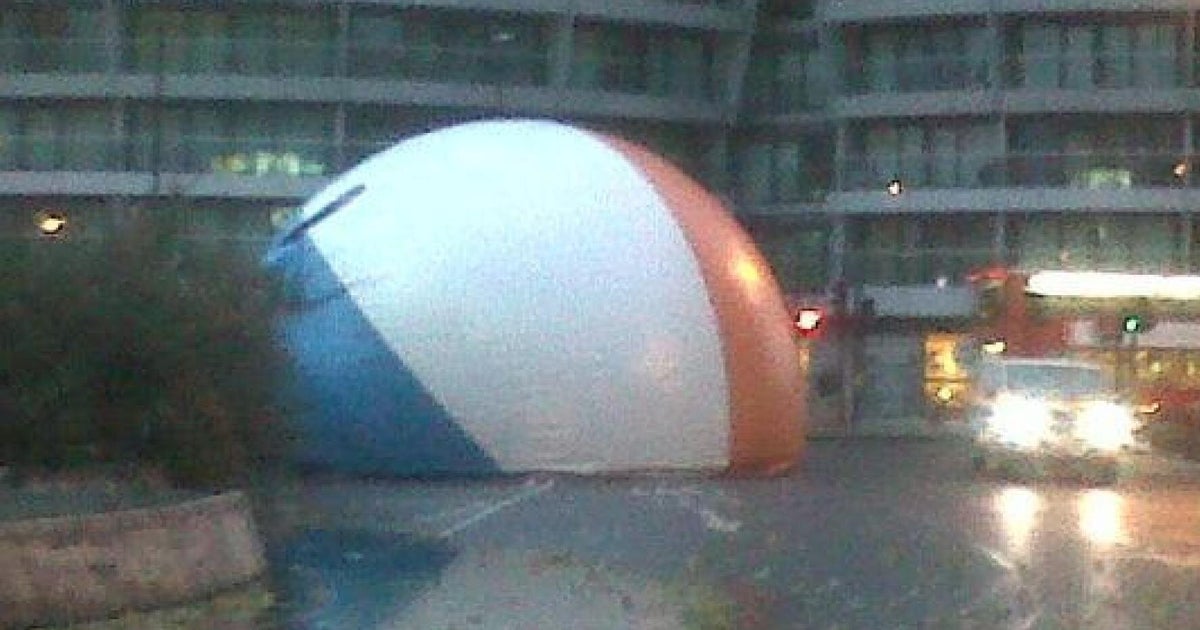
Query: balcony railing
(222,55)
(1163,69)
(917,74)
(915,266)
(1060,170)
(243,156)
(33,152)
(59,55)
(479,64)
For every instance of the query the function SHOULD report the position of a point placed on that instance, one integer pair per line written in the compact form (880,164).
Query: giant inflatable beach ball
(508,296)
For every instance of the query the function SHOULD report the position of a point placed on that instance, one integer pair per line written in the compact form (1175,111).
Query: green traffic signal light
(1132,324)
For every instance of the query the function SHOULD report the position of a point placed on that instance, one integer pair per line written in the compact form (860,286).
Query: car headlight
(1105,426)
(1020,421)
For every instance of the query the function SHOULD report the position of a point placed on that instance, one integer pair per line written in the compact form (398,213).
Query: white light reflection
(1018,509)
(1102,517)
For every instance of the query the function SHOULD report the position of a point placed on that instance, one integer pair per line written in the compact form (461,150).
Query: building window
(917,58)
(787,77)
(245,40)
(798,253)
(449,46)
(1100,54)
(918,249)
(929,153)
(1112,242)
(639,60)
(234,138)
(49,37)
(44,136)
(785,170)
(1095,152)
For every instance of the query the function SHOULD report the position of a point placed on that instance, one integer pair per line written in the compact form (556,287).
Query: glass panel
(754,173)
(209,48)
(912,157)
(588,59)
(208,143)
(945,153)
(1078,59)
(254,31)
(87,139)
(41,139)
(1040,56)
(786,172)
(881,61)
(376,48)
(689,76)
(882,148)
(978,54)
(8,138)
(1115,56)
(308,49)
(659,65)
(1038,242)
(1156,62)
(792,77)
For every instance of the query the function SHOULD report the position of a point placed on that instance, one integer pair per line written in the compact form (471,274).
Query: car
(1049,418)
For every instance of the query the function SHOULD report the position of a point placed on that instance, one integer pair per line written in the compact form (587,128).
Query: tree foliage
(146,348)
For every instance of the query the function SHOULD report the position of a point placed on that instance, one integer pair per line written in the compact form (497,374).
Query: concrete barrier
(75,568)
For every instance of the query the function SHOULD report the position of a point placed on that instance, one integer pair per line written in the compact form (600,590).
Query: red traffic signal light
(809,320)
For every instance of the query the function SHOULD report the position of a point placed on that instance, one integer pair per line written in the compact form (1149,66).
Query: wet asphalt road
(865,534)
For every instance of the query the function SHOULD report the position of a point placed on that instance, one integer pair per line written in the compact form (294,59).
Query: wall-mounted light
(1180,170)
(995,346)
(895,187)
(51,223)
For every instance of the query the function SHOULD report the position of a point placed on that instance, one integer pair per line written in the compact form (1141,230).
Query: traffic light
(1133,324)
(809,320)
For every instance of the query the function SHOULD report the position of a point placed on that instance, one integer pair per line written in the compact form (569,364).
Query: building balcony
(1076,170)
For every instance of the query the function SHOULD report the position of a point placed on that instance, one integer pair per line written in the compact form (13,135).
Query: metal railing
(990,170)
(917,74)
(1104,70)
(914,267)
(224,55)
(471,64)
(28,54)
(42,152)
(237,156)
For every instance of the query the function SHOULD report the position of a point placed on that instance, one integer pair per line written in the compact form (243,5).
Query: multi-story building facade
(1030,133)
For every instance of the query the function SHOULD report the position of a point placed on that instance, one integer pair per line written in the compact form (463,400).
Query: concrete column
(1186,225)
(342,40)
(1000,237)
(339,138)
(717,163)
(838,240)
(562,50)
(995,71)
(112,21)
(734,75)
(830,48)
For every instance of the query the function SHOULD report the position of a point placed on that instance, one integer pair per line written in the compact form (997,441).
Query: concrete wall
(67,569)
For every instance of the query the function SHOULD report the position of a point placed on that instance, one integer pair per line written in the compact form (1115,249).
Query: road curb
(68,569)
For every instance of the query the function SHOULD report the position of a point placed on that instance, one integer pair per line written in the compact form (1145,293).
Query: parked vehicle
(1049,417)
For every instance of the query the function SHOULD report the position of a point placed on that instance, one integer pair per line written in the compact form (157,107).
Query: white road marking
(532,489)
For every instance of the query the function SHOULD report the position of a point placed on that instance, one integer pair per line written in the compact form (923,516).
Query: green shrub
(145,349)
